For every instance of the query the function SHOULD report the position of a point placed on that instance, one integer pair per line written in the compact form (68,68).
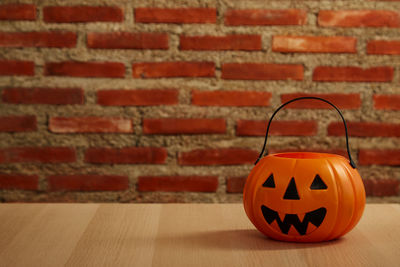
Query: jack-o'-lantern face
(282,222)
(304,197)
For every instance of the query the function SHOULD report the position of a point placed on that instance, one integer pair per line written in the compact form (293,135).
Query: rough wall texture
(167,101)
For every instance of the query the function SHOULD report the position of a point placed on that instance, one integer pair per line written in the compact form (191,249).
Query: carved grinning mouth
(316,217)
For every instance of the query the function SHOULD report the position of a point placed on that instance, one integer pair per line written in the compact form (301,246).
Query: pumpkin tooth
(275,225)
(282,216)
(301,216)
(269,214)
(293,231)
(310,228)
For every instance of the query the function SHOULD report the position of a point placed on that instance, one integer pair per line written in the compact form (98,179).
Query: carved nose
(291,191)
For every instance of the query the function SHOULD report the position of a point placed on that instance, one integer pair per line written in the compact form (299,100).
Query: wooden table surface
(179,235)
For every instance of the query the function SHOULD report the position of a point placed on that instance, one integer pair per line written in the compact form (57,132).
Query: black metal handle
(302,98)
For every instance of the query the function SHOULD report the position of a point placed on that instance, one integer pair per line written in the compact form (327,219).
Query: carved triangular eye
(269,182)
(318,184)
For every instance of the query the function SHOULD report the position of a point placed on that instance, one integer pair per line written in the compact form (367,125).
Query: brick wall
(143,101)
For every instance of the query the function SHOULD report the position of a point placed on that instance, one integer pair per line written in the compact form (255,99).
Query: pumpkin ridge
(353,218)
(296,161)
(338,195)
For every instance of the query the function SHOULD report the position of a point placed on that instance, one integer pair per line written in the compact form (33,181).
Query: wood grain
(179,235)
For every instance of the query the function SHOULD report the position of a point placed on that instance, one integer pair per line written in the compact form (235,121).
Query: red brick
(85,69)
(37,39)
(178,183)
(379,157)
(37,154)
(147,97)
(18,124)
(50,96)
(219,156)
(342,101)
(127,155)
(88,182)
(90,125)
(381,187)
(14,67)
(127,40)
(184,126)
(235,184)
(353,74)
(175,15)
(231,98)
(228,42)
(387,102)
(265,17)
(365,129)
(72,14)
(17,12)
(283,128)
(18,181)
(173,69)
(358,18)
(314,44)
(262,71)
(383,47)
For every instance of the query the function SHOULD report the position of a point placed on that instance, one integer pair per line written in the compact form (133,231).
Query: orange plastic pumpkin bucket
(304,196)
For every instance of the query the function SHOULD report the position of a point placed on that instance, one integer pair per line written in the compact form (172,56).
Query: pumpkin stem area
(304,155)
